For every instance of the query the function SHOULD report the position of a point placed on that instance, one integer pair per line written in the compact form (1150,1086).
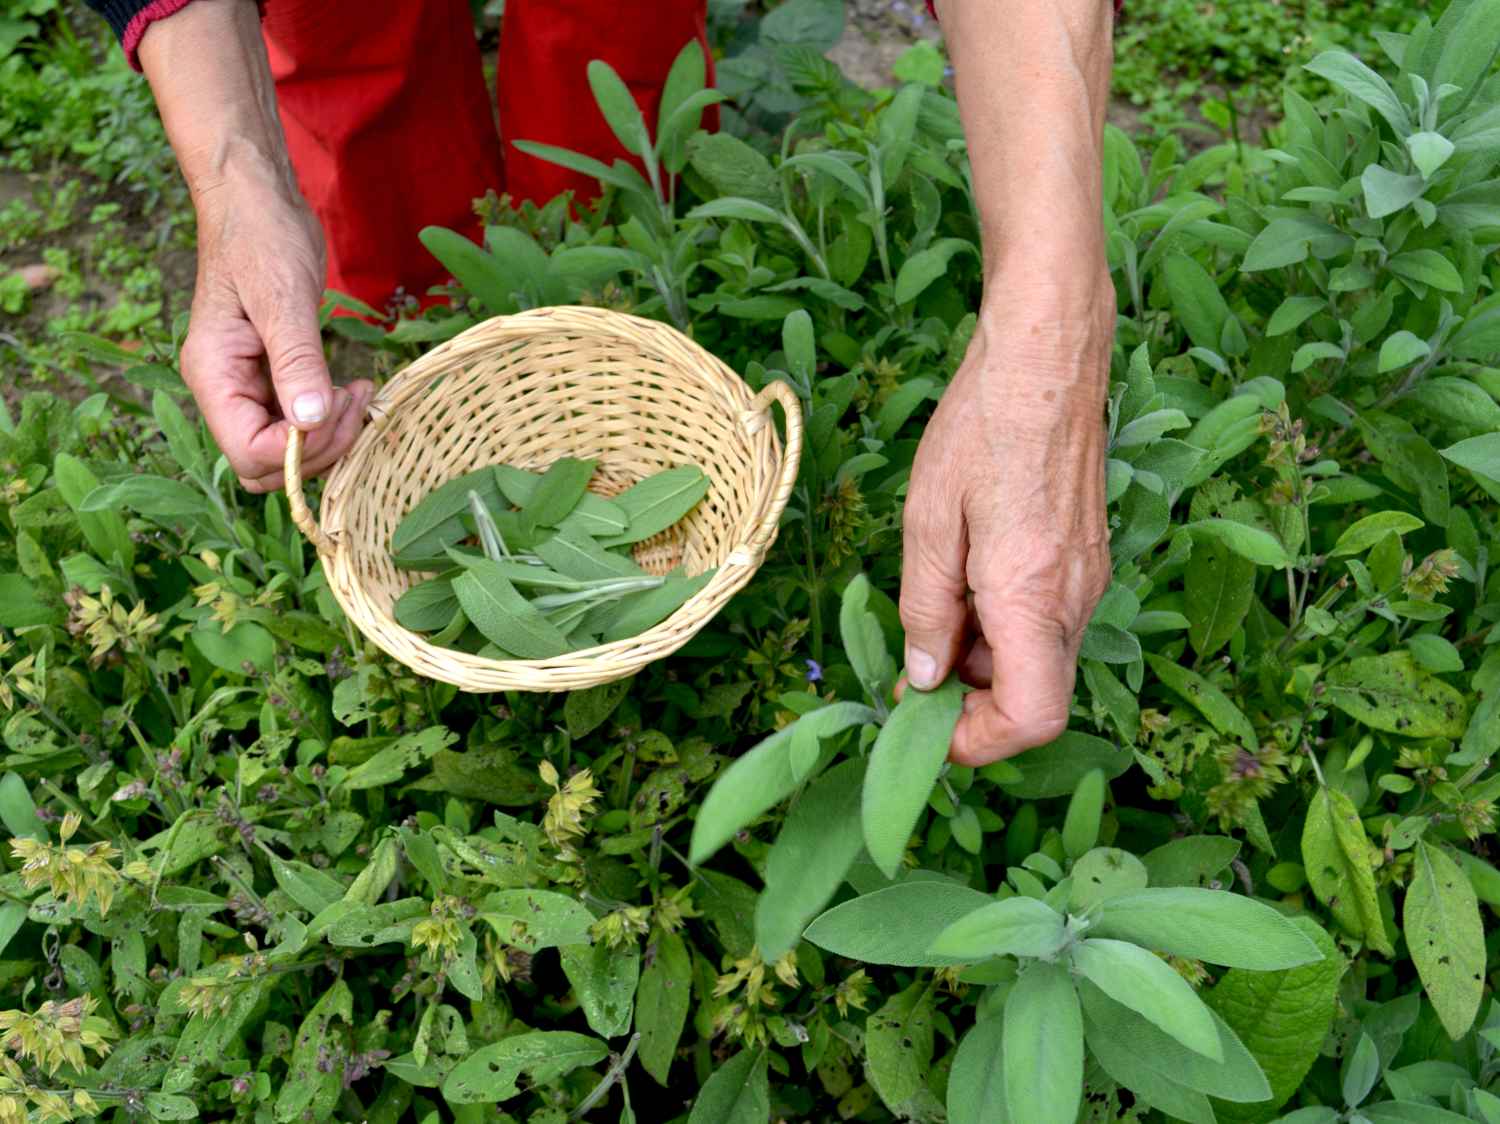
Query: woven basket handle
(758,415)
(302,515)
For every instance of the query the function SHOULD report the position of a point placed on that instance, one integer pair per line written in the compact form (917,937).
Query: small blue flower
(814,671)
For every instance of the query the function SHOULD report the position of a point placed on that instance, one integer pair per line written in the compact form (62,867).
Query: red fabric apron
(391,129)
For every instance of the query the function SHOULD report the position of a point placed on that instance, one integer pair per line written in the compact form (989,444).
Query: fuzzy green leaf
(908,755)
(1446,937)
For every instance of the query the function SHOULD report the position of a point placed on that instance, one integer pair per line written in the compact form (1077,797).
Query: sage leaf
(659,501)
(661,1004)
(737,1092)
(1102,873)
(811,855)
(1018,926)
(1282,1018)
(1152,988)
(1391,692)
(904,764)
(976,1085)
(558,492)
(1212,925)
(427,606)
(1194,860)
(1238,1078)
(490,1074)
(864,641)
(532,919)
(1126,1068)
(574,554)
(1364,533)
(648,609)
(1218,587)
(1056,768)
(594,514)
(897,925)
(504,617)
(1446,937)
(436,522)
(760,779)
(1336,857)
(1081,824)
(1043,1060)
(1361,1071)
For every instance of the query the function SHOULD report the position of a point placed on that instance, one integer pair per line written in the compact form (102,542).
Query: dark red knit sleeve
(130,18)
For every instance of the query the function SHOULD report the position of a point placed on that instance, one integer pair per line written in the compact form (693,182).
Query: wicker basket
(529,389)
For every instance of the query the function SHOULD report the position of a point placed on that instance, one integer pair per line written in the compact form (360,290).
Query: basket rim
(773,465)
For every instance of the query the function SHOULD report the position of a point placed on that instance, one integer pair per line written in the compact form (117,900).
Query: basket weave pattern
(526,390)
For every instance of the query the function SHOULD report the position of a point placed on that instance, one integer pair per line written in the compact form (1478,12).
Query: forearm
(1033,84)
(207,67)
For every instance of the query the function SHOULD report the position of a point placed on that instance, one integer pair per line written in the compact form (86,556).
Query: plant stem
(615,1073)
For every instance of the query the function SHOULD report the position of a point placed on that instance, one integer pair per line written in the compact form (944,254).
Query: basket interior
(530,401)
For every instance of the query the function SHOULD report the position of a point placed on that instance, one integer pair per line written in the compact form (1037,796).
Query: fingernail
(309,407)
(921,669)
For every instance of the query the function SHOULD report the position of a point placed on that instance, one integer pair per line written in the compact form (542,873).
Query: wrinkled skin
(1006,540)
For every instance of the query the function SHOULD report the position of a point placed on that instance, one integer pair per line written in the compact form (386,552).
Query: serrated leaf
(737,1092)
(899,1042)
(1335,855)
(489,1074)
(1390,692)
(662,1003)
(1283,1018)
(1446,937)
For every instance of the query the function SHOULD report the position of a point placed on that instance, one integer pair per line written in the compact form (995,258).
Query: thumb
(294,350)
(933,583)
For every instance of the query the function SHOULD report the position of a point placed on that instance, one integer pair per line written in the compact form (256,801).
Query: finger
(933,585)
(333,440)
(287,318)
(1031,688)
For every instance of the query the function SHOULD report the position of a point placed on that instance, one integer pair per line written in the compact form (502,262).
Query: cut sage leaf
(558,492)
(593,514)
(436,523)
(657,502)
(650,608)
(506,618)
(908,755)
(576,554)
(429,605)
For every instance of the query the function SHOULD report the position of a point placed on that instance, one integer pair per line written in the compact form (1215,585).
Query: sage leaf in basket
(505,618)
(649,609)
(594,514)
(428,606)
(575,554)
(437,522)
(558,492)
(521,573)
(655,503)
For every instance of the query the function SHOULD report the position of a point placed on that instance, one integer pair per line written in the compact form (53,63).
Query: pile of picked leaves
(549,536)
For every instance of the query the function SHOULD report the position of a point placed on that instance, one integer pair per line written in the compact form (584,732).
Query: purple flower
(814,671)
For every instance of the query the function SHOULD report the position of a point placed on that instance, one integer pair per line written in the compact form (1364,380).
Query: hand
(1006,501)
(253,357)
